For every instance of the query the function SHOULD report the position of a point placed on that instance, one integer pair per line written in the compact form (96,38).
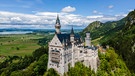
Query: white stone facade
(64,52)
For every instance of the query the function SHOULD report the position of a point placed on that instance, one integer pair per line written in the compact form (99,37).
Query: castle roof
(66,38)
(93,48)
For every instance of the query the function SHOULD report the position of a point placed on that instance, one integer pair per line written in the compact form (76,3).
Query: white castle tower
(72,35)
(87,40)
(57,25)
(72,42)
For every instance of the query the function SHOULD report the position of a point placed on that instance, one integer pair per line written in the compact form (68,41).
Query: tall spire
(72,35)
(58,20)
(72,31)
(57,25)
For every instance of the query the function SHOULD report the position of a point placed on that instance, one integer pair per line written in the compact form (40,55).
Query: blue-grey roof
(66,38)
(93,48)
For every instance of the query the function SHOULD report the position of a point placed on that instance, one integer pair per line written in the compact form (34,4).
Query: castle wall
(64,54)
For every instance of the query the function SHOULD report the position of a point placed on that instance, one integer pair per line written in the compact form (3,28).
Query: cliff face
(130,21)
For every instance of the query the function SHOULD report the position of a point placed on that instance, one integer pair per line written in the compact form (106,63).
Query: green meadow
(20,45)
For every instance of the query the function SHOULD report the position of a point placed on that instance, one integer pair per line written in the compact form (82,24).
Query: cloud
(97,16)
(110,6)
(95,11)
(16,19)
(46,20)
(68,9)
(130,10)
(102,18)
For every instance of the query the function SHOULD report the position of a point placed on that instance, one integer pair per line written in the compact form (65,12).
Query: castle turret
(87,40)
(72,35)
(63,43)
(72,42)
(57,25)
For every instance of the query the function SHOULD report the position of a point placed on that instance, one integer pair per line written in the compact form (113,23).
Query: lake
(15,32)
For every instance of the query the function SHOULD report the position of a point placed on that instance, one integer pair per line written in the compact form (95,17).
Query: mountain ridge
(103,28)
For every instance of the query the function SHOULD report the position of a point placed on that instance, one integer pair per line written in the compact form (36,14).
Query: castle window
(81,51)
(55,43)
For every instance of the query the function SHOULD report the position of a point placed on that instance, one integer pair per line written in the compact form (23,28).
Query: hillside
(124,41)
(99,29)
(118,34)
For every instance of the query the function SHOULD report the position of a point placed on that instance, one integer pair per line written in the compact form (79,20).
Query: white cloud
(130,10)
(46,13)
(68,9)
(97,16)
(110,6)
(121,15)
(47,19)
(95,11)
(16,19)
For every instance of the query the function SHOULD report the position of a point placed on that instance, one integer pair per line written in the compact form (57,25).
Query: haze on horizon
(38,14)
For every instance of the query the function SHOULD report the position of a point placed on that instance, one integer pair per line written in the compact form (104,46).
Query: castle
(67,49)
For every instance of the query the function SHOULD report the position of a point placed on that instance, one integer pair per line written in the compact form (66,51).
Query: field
(96,41)
(23,44)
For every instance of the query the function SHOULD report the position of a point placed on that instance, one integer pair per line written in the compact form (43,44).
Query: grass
(1,60)
(20,45)
(96,41)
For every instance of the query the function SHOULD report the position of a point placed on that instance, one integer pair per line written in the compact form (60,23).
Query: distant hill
(93,26)
(98,29)
(118,34)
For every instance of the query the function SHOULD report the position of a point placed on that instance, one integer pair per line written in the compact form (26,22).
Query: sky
(41,14)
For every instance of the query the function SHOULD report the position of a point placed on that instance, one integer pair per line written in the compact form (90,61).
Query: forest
(111,64)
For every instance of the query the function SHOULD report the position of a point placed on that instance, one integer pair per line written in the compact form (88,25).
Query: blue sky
(42,13)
